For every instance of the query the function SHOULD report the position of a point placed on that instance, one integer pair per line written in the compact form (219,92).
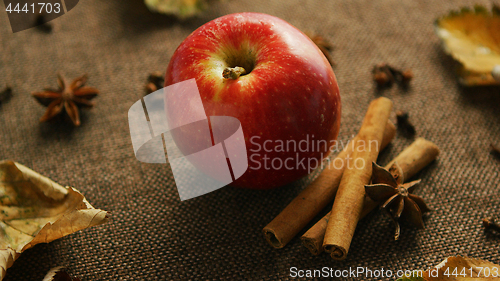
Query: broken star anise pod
(69,97)
(388,187)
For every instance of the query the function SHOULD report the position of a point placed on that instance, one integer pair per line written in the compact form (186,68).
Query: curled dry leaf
(458,269)
(474,269)
(35,209)
(496,73)
(472,37)
(180,8)
(58,274)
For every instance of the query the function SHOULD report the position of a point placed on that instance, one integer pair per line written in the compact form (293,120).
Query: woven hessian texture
(152,235)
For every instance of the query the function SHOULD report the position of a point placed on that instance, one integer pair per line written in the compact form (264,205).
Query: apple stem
(233,72)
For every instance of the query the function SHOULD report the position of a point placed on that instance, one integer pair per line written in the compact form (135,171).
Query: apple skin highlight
(287,94)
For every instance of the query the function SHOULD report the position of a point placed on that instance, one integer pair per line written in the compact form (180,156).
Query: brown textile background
(152,235)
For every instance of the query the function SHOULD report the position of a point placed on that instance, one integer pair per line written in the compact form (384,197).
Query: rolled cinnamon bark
(348,204)
(416,156)
(314,197)
(411,160)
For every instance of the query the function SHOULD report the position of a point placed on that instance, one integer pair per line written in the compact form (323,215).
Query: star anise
(68,97)
(388,186)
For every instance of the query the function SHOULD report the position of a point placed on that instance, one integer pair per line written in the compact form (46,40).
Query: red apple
(278,85)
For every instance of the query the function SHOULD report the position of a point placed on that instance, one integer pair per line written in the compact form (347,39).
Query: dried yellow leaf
(35,209)
(58,274)
(460,268)
(472,37)
(457,269)
(180,8)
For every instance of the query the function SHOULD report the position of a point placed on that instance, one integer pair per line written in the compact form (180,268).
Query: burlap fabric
(152,235)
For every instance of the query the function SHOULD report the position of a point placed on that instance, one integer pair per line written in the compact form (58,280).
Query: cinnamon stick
(348,204)
(416,156)
(411,160)
(314,197)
